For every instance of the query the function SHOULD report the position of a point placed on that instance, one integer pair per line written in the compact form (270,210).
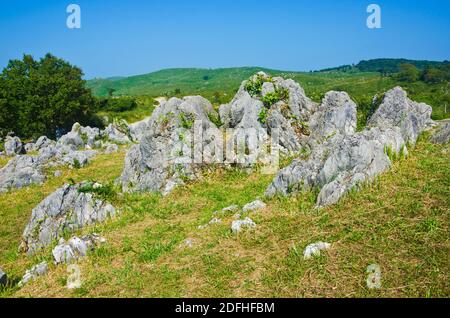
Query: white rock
(255,205)
(239,225)
(313,250)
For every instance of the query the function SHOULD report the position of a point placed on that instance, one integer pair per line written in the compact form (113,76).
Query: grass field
(401,222)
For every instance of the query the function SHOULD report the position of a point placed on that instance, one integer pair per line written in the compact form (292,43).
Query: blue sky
(138,36)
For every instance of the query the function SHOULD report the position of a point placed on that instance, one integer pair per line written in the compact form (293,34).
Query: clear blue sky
(138,36)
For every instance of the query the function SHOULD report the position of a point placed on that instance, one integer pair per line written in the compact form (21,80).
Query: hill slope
(400,223)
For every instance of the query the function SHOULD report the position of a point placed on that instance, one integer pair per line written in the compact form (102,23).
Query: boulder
(335,115)
(73,138)
(13,146)
(43,142)
(75,248)
(138,129)
(111,148)
(266,112)
(340,164)
(21,171)
(442,134)
(33,273)
(165,156)
(67,209)
(118,132)
(397,110)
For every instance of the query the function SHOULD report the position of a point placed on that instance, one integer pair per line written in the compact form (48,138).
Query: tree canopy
(41,97)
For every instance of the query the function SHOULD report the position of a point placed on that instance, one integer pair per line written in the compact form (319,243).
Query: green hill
(220,85)
(386,66)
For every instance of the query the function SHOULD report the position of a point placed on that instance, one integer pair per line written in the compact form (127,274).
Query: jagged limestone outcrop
(165,156)
(343,162)
(69,208)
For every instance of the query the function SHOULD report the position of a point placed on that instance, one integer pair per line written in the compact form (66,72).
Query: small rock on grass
(33,273)
(239,225)
(313,250)
(255,205)
(3,278)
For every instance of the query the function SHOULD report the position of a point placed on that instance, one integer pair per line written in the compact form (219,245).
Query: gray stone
(58,173)
(339,165)
(255,205)
(336,115)
(442,134)
(397,110)
(13,146)
(33,273)
(69,208)
(111,148)
(43,142)
(164,158)
(73,138)
(267,88)
(238,225)
(29,147)
(75,248)
(21,171)
(3,278)
(313,250)
(118,132)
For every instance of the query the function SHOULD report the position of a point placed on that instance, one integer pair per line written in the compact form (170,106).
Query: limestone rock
(339,165)
(67,209)
(111,148)
(238,225)
(336,115)
(397,110)
(3,278)
(313,250)
(13,146)
(33,273)
(165,158)
(255,205)
(442,135)
(75,248)
(21,171)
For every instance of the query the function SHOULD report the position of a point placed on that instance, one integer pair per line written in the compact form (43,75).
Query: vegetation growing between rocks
(399,222)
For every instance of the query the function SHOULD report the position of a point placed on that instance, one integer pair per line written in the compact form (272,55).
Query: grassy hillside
(220,85)
(388,66)
(401,222)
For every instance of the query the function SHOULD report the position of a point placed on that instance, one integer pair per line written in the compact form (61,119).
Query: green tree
(41,97)
(408,73)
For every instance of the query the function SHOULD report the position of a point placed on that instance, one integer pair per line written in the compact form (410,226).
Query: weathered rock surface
(442,135)
(118,132)
(339,165)
(33,273)
(67,209)
(239,225)
(344,160)
(397,110)
(313,250)
(164,157)
(336,115)
(13,146)
(3,278)
(75,248)
(21,171)
(252,206)
(282,116)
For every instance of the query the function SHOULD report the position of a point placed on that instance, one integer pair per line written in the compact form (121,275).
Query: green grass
(400,222)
